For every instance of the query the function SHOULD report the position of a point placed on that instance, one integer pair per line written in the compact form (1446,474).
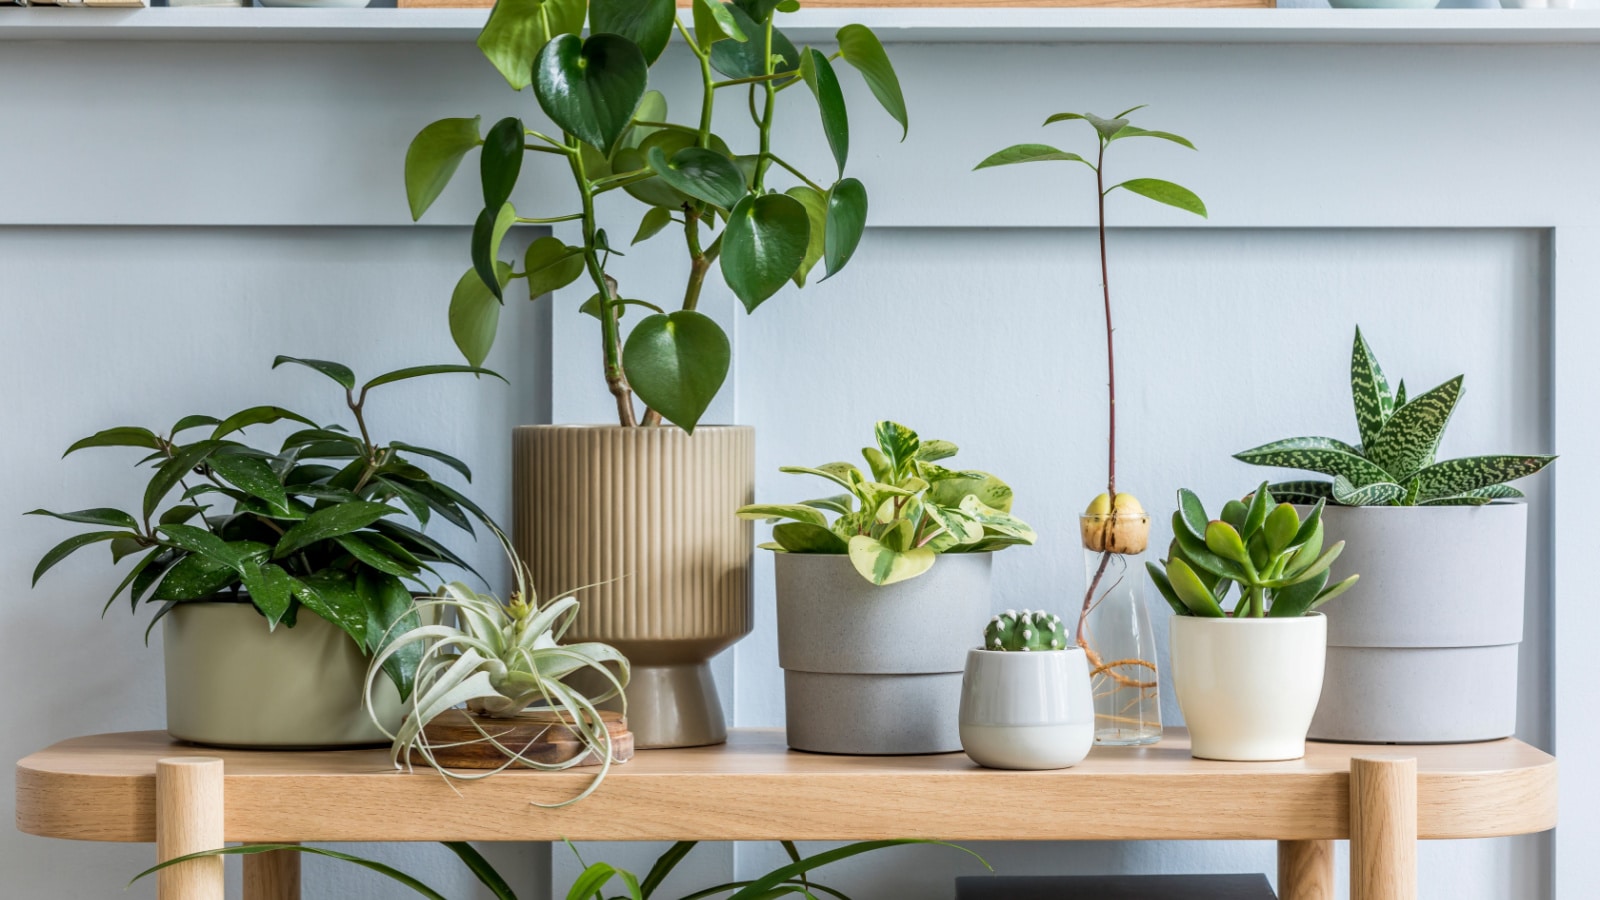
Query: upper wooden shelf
(921,25)
(103,788)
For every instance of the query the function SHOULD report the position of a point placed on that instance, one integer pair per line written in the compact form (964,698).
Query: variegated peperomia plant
(894,524)
(1394,465)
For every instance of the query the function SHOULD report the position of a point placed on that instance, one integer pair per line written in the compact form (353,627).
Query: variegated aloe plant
(894,524)
(1394,465)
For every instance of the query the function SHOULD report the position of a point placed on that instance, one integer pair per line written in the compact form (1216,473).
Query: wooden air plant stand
(143,787)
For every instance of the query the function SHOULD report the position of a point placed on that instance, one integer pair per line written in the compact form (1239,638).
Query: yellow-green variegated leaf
(881,468)
(772,511)
(898,443)
(804,537)
(1370,391)
(842,473)
(882,565)
(899,536)
(933,451)
(852,524)
(1377,494)
(1316,454)
(1455,477)
(996,522)
(950,488)
(962,526)
(1409,440)
(839,503)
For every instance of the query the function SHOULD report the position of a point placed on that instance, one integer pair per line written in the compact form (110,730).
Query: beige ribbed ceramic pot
(646,516)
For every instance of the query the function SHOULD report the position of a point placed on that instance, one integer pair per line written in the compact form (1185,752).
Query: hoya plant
(309,527)
(894,523)
(1260,545)
(736,204)
(1395,464)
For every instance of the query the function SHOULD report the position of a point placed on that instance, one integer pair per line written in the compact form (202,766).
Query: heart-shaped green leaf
(655,219)
(847,219)
(859,47)
(652,108)
(676,364)
(763,245)
(433,157)
(655,191)
(647,23)
(816,204)
(700,173)
(1021,153)
(475,314)
(1175,195)
(487,233)
(501,161)
(590,88)
(758,10)
(517,29)
(880,564)
(747,59)
(713,22)
(551,265)
(824,83)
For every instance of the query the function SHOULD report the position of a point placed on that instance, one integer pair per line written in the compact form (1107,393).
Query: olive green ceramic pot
(231,682)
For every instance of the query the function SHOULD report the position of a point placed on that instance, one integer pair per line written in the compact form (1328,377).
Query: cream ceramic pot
(233,683)
(1248,687)
(1027,709)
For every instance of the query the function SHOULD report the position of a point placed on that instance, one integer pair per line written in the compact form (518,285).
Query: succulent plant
(1394,465)
(1263,546)
(1031,630)
(894,524)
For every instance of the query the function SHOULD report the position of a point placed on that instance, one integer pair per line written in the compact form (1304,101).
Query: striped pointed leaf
(1370,390)
(1478,497)
(1306,492)
(1400,394)
(1317,454)
(1379,493)
(1409,440)
(1458,476)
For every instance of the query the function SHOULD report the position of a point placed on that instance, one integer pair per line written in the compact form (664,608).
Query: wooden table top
(753,788)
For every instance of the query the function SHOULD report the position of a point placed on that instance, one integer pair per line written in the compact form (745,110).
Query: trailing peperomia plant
(1394,465)
(615,135)
(1259,544)
(894,524)
(308,526)
(1032,630)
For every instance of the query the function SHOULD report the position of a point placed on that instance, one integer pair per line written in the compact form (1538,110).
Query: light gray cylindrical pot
(877,670)
(233,683)
(1423,649)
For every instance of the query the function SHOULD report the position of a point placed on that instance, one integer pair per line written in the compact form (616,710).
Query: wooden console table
(143,787)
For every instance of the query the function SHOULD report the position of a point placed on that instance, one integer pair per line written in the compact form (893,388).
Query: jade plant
(500,660)
(614,135)
(1032,630)
(1262,546)
(894,523)
(310,527)
(1394,465)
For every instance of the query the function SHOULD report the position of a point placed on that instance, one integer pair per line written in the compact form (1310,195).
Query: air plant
(1032,630)
(500,660)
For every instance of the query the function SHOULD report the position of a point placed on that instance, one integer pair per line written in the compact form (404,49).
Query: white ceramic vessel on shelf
(1026,709)
(1248,687)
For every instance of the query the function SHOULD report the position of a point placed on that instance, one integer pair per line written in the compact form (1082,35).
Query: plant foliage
(894,522)
(1394,465)
(310,526)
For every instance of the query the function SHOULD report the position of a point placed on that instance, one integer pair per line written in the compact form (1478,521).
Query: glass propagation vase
(1114,631)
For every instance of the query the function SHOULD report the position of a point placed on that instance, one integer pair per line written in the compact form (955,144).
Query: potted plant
(871,572)
(641,511)
(279,572)
(1435,626)
(1113,625)
(1025,697)
(1248,679)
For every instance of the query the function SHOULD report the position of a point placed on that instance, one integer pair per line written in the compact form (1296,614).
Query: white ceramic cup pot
(1025,709)
(1248,687)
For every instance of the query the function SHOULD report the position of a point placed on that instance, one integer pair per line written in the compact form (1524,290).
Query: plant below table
(615,134)
(1394,465)
(896,523)
(308,526)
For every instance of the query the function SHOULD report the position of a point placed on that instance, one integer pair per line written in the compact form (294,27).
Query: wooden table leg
(188,820)
(1305,870)
(1383,828)
(272,876)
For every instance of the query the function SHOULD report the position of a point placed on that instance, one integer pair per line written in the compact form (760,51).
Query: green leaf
(482,869)
(269,587)
(1297,599)
(766,512)
(881,564)
(1175,195)
(764,887)
(1335,590)
(824,84)
(1191,590)
(332,595)
(1303,492)
(713,22)
(933,451)
(841,473)
(357,547)
(1255,510)
(590,88)
(172,471)
(1193,514)
(960,524)
(420,371)
(957,486)
(475,314)
(1104,127)
(996,522)
(69,546)
(1378,493)
(1370,391)
(647,23)
(667,861)
(118,437)
(194,577)
(1459,476)
(551,264)
(1477,497)
(330,523)
(1224,541)
(655,219)
(391,613)
(258,415)
(114,518)
(1281,527)
(252,476)
(516,31)
(337,371)
(676,364)
(1022,153)
(1129,131)
(501,161)
(1164,587)
(898,443)
(655,191)
(1399,395)
(1410,438)
(763,244)
(433,157)
(806,537)
(250,849)
(846,221)
(816,204)
(487,233)
(445,458)
(859,47)
(700,173)
(188,422)
(1066,117)
(1318,454)
(747,59)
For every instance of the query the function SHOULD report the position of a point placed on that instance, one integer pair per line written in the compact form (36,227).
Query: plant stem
(766,115)
(797,173)
(610,334)
(1111,354)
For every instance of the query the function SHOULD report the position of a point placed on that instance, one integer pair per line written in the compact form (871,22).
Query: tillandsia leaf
(1381,493)
(1297,599)
(769,512)
(1317,454)
(883,565)
(1304,492)
(846,221)
(763,245)
(700,173)
(487,233)
(1409,440)
(251,849)
(1370,391)
(819,76)
(1174,195)
(433,157)
(590,88)
(713,22)
(1456,477)
(747,59)
(816,204)
(1021,153)
(648,23)
(859,47)
(676,364)
(118,437)
(1478,497)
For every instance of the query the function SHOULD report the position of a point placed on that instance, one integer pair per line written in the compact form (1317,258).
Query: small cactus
(1028,630)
